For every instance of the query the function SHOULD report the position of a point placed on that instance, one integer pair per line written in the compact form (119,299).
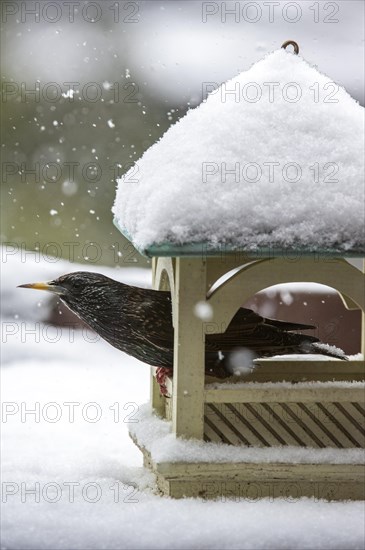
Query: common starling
(138,321)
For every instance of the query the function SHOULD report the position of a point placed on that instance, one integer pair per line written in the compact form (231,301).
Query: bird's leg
(218,371)
(161,374)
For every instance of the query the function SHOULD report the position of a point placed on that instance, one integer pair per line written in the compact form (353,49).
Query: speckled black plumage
(138,321)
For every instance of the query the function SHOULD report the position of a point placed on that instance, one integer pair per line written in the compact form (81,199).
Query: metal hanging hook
(291,43)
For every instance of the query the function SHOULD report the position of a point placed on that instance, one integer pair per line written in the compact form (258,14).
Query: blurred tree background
(87,87)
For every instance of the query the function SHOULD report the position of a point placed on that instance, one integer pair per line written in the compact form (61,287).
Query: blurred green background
(60,166)
(135,68)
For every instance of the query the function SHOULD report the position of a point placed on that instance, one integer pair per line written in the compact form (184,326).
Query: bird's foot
(161,374)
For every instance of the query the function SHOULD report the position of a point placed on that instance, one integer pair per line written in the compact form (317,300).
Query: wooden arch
(255,276)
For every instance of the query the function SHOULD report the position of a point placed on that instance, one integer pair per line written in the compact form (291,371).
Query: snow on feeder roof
(273,159)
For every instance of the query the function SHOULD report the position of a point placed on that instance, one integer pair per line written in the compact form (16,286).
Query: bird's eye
(77,285)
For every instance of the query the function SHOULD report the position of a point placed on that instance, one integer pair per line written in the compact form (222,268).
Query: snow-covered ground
(72,478)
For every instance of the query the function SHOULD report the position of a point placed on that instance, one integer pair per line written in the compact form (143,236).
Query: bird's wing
(162,342)
(250,330)
(155,325)
(247,316)
(287,325)
(238,332)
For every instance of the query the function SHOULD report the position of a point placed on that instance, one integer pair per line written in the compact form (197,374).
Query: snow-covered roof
(272,160)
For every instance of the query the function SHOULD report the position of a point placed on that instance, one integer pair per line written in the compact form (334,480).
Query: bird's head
(79,290)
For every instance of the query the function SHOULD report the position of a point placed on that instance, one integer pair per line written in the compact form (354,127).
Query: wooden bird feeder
(326,414)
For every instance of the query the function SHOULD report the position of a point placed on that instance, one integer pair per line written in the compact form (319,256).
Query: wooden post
(189,349)
(157,400)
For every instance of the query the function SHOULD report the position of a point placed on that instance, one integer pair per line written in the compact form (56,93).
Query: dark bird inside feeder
(138,321)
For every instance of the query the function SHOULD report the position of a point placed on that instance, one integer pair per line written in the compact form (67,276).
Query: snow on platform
(154,434)
(273,158)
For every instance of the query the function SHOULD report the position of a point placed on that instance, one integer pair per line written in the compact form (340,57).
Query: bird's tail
(324,349)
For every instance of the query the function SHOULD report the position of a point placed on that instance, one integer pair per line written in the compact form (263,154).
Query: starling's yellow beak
(51,286)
